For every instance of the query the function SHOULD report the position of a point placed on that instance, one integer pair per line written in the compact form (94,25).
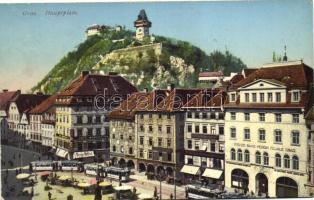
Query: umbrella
(83,185)
(45,173)
(145,196)
(104,184)
(23,176)
(63,178)
(93,181)
(123,187)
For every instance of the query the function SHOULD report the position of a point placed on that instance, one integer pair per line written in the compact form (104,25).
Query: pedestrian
(171,196)
(49,195)
(32,191)
(16,171)
(20,171)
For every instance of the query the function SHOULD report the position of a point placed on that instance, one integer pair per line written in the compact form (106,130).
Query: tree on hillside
(225,62)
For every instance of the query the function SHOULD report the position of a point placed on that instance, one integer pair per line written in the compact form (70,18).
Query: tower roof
(142,20)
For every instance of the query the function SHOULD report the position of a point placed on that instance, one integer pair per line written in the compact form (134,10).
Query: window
(150,116)
(221,130)
(141,153)
(142,140)
(246,134)
(159,116)
(278,97)
(295,162)
(121,137)
(159,129)
(262,135)
(190,161)
(254,97)
(270,97)
(295,137)
(233,154)
(89,119)
(168,129)
(295,96)
(247,97)
(189,115)
(204,115)
(98,119)
(159,142)
(212,147)
(168,116)
(239,155)
(150,154)
(142,128)
(295,118)
(233,97)
(189,128)
(150,128)
(247,116)
(266,158)
(278,160)
(204,129)
(261,97)
(278,136)
(197,144)
(141,116)
(286,161)
(246,156)
(261,117)
(79,120)
(196,115)
(233,115)
(189,144)
(233,132)
(114,148)
(169,156)
(197,128)
(150,141)
(277,117)
(258,157)
(168,142)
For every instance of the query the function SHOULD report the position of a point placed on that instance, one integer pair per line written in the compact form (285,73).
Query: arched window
(286,160)
(266,158)
(240,155)
(295,162)
(113,148)
(246,156)
(233,154)
(278,160)
(258,157)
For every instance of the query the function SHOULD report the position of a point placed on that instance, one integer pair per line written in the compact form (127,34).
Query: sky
(32,41)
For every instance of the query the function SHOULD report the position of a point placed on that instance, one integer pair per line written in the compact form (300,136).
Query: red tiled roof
(236,78)
(176,99)
(151,102)
(26,102)
(293,76)
(45,105)
(91,85)
(6,97)
(127,108)
(210,74)
(248,71)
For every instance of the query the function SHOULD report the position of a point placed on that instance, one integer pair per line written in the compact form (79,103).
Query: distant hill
(145,64)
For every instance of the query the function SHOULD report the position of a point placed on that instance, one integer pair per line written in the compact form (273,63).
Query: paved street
(138,181)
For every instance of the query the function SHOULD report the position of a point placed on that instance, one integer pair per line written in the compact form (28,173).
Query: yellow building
(266,135)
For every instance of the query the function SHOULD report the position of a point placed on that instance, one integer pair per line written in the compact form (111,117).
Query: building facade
(266,135)
(204,138)
(82,124)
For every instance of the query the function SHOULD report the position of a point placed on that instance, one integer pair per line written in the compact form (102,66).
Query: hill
(146,64)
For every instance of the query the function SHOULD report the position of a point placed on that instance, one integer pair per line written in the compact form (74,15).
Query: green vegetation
(178,63)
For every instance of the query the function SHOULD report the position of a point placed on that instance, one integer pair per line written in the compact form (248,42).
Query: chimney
(5,90)
(170,87)
(145,90)
(112,73)
(84,73)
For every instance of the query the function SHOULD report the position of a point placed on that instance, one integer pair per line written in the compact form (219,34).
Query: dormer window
(247,97)
(254,97)
(295,96)
(233,97)
(261,97)
(278,97)
(270,97)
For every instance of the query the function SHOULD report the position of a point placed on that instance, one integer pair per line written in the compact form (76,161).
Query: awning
(187,169)
(212,173)
(83,154)
(61,153)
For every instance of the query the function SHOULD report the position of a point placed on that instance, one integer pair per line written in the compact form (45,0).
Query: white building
(266,135)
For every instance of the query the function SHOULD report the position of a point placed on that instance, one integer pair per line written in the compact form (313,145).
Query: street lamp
(161,176)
